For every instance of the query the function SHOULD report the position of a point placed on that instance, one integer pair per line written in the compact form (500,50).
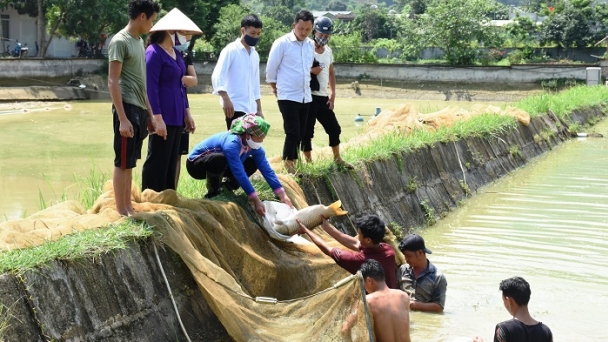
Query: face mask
(183,47)
(179,40)
(254,145)
(251,41)
(321,41)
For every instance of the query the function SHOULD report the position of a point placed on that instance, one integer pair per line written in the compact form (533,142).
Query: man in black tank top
(522,328)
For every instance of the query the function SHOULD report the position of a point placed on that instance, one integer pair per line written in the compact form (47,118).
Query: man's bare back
(391,312)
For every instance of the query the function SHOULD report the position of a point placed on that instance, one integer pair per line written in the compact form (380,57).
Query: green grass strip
(89,243)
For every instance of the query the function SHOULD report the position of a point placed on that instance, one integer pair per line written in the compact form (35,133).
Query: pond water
(48,148)
(548,223)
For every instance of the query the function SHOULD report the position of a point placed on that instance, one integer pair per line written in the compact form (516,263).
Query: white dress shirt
(288,66)
(237,72)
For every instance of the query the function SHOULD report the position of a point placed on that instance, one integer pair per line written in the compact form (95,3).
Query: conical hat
(175,20)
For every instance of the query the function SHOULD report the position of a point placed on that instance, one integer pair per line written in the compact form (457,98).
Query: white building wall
(25,29)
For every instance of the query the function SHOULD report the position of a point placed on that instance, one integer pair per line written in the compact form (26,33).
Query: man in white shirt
(288,73)
(322,105)
(236,77)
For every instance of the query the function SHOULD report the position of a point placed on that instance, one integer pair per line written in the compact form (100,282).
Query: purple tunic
(165,88)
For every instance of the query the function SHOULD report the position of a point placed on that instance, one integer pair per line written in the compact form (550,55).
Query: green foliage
(202,49)
(455,25)
(228,29)
(564,102)
(390,45)
(411,37)
(282,14)
(348,49)
(86,19)
(569,29)
(336,5)
(516,57)
(91,242)
(374,23)
(259,5)
(272,30)
(522,31)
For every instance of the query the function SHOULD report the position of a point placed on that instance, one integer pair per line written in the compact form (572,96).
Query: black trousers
(295,115)
(319,111)
(235,116)
(215,163)
(160,168)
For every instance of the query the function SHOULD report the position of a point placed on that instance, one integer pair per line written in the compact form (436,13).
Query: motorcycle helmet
(324,25)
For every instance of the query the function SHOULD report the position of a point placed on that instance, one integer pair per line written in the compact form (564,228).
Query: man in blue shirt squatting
(425,284)
(236,154)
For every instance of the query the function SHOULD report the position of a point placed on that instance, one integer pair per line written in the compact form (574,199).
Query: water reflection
(548,223)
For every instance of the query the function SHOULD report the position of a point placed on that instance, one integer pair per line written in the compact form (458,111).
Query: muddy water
(48,148)
(547,223)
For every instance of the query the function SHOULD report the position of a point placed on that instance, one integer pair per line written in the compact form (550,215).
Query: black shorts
(128,150)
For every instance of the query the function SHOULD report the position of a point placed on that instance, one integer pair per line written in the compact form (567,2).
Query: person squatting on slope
(236,154)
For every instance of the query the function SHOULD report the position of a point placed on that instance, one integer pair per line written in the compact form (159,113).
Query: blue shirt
(231,145)
(165,88)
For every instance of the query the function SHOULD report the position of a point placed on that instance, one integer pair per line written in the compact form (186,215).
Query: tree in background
(347,48)
(374,22)
(456,25)
(228,28)
(336,5)
(569,27)
(281,14)
(522,31)
(86,19)
(258,6)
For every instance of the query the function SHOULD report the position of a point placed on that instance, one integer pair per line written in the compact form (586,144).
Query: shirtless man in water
(389,308)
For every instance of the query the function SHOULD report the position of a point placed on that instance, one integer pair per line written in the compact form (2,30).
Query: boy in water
(131,110)
(388,307)
(515,297)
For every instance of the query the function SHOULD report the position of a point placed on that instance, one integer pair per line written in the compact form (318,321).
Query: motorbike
(19,51)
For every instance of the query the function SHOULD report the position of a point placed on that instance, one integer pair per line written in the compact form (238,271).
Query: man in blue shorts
(132,115)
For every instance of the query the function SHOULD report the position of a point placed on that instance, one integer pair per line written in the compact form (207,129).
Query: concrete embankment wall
(121,296)
(16,69)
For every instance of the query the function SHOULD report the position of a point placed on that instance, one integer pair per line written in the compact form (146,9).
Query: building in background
(23,28)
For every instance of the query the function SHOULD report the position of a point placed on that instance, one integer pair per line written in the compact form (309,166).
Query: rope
(367,318)
(171,294)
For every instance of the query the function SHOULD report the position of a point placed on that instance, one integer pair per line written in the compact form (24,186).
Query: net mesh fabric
(232,259)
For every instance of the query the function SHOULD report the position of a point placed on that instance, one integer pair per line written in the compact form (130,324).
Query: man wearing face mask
(236,154)
(322,105)
(236,77)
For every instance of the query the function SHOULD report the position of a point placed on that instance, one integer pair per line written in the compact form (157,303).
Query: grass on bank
(97,241)
(88,243)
